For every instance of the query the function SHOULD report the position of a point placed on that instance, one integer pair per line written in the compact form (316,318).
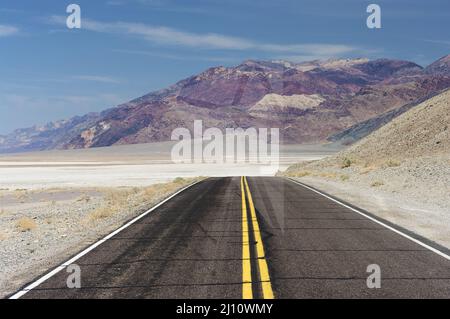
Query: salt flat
(130,165)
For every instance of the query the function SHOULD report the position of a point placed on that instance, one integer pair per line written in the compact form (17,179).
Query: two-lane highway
(252,238)
(317,248)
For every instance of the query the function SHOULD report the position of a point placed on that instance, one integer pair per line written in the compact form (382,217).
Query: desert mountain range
(339,100)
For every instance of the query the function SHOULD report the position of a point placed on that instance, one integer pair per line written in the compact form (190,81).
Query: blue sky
(127,48)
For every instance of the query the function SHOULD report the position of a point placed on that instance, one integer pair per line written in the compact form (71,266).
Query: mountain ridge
(350,90)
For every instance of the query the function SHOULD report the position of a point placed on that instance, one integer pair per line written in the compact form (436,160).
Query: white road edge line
(440,253)
(93,246)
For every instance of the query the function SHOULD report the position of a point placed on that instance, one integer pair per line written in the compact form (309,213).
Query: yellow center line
(247,292)
(262,263)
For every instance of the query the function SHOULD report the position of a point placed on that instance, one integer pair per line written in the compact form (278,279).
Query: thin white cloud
(159,5)
(171,36)
(181,57)
(115,3)
(96,78)
(166,35)
(445,42)
(8,30)
(317,49)
(301,58)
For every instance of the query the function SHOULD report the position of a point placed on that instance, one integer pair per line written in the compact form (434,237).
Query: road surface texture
(253,237)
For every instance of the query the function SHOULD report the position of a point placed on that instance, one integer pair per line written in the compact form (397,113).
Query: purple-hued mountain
(308,101)
(441,66)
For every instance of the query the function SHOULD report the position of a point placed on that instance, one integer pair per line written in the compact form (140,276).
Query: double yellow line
(263,270)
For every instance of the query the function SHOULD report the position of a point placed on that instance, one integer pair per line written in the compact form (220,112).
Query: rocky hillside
(422,131)
(364,128)
(307,101)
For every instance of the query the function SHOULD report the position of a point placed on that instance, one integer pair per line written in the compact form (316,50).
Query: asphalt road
(268,238)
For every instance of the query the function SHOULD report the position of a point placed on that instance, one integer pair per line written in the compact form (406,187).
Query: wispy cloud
(169,36)
(160,5)
(8,30)
(444,42)
(115,3)
(96,78)
(317,49)
(181,57)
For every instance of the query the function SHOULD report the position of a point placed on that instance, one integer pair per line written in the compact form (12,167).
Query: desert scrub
(156,191)
(128,199)
(101,213)
(377,184)
(21,195)
(179,180)
(392,163)
(367,169)
(114,201)
(346,163)
(300,174)
(84,198)
(25,224)
(345,178)
(329,175)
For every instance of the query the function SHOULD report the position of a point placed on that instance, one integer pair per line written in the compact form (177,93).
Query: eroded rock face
(274,102)
(308,102)
(441,66)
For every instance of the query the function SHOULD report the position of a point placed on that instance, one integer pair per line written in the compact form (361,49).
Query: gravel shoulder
(412,194)
(39,229)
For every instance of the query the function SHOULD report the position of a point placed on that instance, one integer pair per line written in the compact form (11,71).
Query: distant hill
(308,101)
